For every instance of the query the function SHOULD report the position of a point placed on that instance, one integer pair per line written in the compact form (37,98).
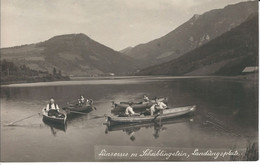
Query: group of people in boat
(53,109)
(154,109)
(83,101)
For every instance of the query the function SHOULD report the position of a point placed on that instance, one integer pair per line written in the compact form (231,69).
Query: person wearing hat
(52,108)
(129,110)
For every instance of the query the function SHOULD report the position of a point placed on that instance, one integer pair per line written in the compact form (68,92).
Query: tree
(54,72)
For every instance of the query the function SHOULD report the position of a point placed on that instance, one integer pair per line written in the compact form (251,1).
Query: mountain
(197,31)
(227,54)
(126,50)
(73,54)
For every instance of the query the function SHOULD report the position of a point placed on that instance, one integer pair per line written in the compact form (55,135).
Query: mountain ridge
(73,54)
(195,32)
(227,54)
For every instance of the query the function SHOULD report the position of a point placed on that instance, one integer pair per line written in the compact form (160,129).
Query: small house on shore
(250,69)
(111,74)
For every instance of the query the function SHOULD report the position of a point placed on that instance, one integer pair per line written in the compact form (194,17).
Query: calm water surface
(226,117)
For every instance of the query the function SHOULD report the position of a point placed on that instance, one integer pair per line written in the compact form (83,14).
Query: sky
(115,23)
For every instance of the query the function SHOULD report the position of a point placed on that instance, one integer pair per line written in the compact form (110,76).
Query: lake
(226,118)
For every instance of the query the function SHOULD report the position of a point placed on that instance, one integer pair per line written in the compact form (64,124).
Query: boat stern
(193,108)
(108,119)
(113,104)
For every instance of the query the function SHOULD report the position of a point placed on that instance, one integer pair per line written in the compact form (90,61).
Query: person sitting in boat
(145,99)
(157,106)
(82,100)
(52,108)
(129,110)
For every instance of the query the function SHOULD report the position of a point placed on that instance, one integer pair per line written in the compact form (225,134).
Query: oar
(97,116)
(161,117)
(82,113)
(93,107)
(12,123)
(155,117)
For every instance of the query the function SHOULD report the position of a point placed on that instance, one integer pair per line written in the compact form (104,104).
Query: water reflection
(55,128)
(224,110)
(157,127)
(239,101)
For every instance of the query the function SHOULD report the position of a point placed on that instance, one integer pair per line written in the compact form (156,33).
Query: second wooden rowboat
(166,114)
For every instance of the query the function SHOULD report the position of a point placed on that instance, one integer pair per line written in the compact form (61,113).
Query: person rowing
(81,100)
(129,110)
(52,108)
(145,99)
(158,106)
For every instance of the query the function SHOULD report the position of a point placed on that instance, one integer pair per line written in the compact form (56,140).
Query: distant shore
(252,78)
(34,80)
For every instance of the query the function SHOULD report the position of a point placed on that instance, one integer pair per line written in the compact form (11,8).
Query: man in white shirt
(129,110)
(157,106)
(52,108)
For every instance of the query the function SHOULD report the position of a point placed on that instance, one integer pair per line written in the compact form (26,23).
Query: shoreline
(249,78)
(27,82)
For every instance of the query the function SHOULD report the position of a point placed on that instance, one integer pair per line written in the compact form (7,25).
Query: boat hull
(120,127)
(79,108)
(138,107)
(52,119)
(59,126)
(167,114)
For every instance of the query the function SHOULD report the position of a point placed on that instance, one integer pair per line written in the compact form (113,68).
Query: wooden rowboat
(121,127)
(75,107)
(166,114)
(60,119)
(136,106)
(78,108)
